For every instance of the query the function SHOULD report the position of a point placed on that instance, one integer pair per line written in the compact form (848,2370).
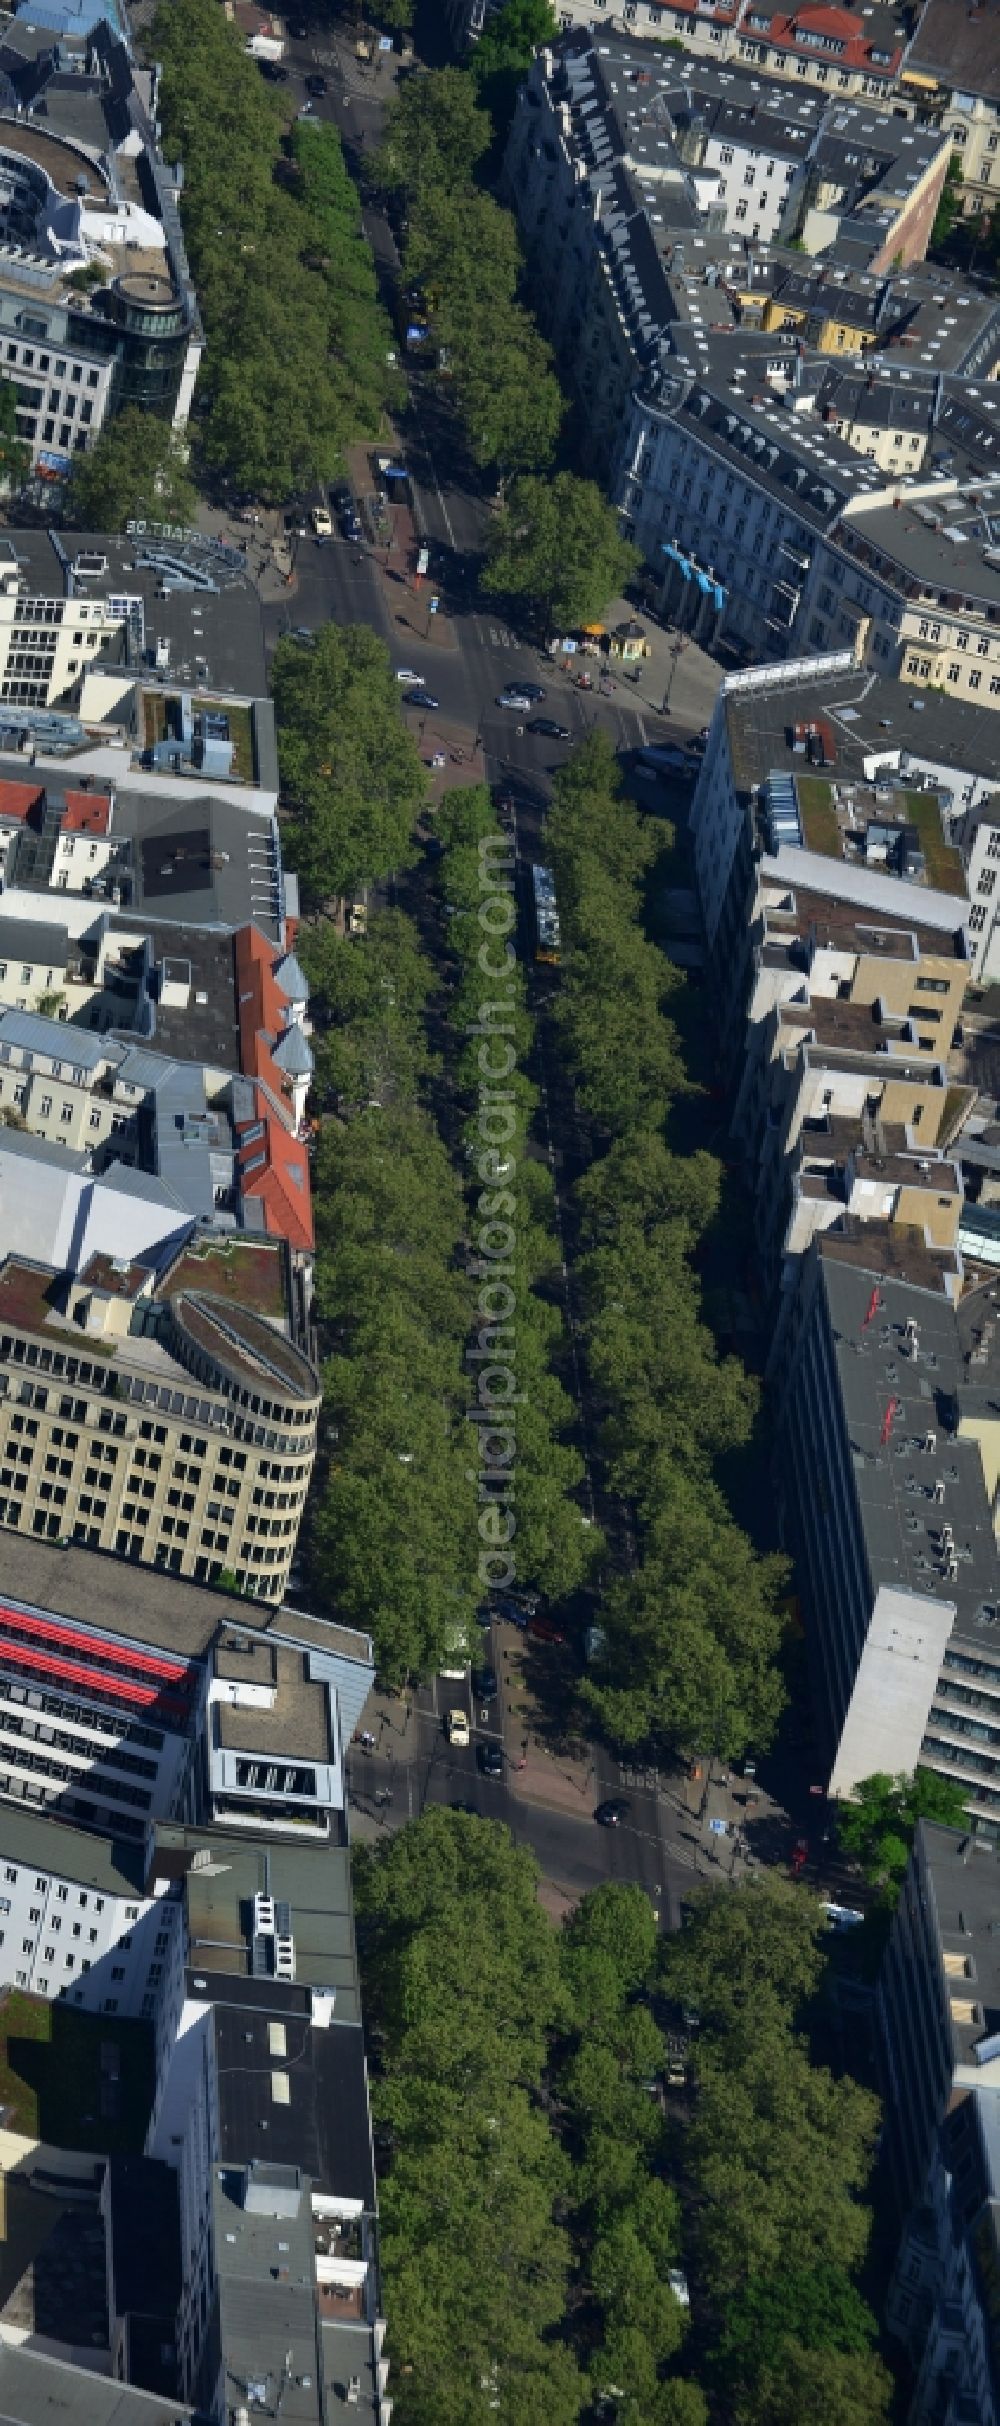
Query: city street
(472,655)
(464,655)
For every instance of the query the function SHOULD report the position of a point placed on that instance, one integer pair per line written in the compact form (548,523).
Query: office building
(938,2000)
(170,1415)
(940,2304)
(886,1468)
(97,309)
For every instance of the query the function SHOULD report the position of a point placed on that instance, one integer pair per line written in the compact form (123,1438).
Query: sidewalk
(564,1780)
(393,546)
(676,670)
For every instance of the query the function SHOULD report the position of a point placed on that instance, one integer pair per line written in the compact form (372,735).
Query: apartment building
(841,49)
(170,1417)
(911,580)
(850,1023)
(938,1996)
(845,750)
(951,73)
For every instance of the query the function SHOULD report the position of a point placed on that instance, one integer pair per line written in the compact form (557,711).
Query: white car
(457,1727)
(322,522)
(406,673)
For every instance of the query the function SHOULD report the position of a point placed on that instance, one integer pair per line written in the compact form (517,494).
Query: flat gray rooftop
(163,1610)
(946,543)
(963,1876)
(215,636)
(895,1478)
(869,717)
(39,2391)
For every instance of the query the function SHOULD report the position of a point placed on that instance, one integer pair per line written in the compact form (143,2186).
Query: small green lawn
(820,831)
(52,2083)
(944,866)
(159,725)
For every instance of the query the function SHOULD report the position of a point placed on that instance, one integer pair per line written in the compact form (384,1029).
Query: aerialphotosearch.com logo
(497,1398)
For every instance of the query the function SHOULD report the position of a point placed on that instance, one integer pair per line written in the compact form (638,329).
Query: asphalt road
(451,511)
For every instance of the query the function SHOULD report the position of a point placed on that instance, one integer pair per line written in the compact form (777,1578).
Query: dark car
(548,726)
(484,1684)
(531,690)
(273,70)
(611,1814)
(545,1630)
(490,1758)
(340,496)
(422,699)
(517,1606)
(317,86)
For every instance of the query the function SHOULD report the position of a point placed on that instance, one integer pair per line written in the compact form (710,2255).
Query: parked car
(340,496)
(422,699)
(518,1606)
(456,1727)
(490,1759)
(273,70)
(484,1684)
(317,86)
(545,1630)
(612,1813)
(514,699)
(548,726)
(407,673)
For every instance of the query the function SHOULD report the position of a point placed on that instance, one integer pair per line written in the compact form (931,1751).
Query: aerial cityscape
(499,1213)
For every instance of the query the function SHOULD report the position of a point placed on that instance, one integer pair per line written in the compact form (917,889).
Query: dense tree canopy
(693,1627)
(558,546)
(461,255)
(462,1988)
(775,2158)
(878,1825)
(135,471)
(349,769)
(298,344)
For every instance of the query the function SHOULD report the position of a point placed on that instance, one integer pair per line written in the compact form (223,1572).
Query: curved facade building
(170,1420)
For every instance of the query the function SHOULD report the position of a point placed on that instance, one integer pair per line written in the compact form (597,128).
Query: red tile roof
(855,36)
(86,813)
(274,1167)
(262,1008)
(273,1163)
(17,801)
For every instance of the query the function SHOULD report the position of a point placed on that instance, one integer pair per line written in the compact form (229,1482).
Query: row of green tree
(487,1026)
(297,362)
(774,2155)
(547,2204)
(693,1626)
(351,775)
(555,546)
(392,1224)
